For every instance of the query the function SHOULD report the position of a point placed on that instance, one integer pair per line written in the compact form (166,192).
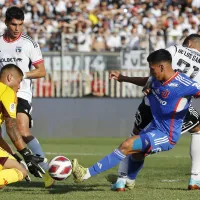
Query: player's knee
(22,173)
(126,146)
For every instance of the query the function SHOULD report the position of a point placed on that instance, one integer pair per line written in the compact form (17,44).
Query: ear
(189,44)
(9,77)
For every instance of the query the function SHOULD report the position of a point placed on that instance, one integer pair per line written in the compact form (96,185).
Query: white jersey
(186,60)
(24,53)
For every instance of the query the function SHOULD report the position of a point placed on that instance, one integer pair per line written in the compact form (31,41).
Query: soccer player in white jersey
(20,49)
(186,59)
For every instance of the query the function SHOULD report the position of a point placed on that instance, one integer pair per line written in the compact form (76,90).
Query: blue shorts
(159,140)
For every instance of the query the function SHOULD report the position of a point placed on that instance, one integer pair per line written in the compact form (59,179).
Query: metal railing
(81,84)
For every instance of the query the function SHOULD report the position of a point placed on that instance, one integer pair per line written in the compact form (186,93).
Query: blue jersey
(169,102)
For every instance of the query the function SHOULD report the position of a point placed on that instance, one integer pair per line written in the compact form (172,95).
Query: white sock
(88,175)
(36,148)
(194,153)
(123,167)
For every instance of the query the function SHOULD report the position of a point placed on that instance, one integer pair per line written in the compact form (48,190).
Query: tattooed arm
(4,144)
(13,133)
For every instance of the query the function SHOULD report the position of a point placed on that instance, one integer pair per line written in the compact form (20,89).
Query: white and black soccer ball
(60,168)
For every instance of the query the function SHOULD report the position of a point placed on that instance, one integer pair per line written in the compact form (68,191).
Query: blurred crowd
(107,25)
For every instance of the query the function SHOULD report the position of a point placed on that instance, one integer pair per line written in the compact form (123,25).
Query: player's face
(155,71)
(15,80)
(14,28)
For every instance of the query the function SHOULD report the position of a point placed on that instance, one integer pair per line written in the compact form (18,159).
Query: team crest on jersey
(12,107)
(18,49)
(165,93)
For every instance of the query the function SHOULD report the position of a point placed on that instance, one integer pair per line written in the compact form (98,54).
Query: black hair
(158,56)
(192,37)
(11,67)
(14,13)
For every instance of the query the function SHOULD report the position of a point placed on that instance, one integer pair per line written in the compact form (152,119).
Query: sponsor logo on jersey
(11,60)
(186,125)
(165,93)
(18,49)
(138,118)
(158,98)
(12,108)
(197,85)
(173,84)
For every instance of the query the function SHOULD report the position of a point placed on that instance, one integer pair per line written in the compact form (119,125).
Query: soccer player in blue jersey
(185,59)
(168,104)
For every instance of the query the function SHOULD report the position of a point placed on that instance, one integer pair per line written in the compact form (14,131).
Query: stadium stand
(93,25)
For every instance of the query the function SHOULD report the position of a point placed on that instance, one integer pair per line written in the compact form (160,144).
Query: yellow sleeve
(9,101)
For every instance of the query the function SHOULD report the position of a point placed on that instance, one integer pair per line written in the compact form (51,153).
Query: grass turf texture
(165,175)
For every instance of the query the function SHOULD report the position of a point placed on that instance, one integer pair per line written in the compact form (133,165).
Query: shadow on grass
(56,189)
(163,188)
(60,189)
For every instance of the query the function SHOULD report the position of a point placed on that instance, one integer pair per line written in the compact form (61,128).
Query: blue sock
(107,162)
(134,166)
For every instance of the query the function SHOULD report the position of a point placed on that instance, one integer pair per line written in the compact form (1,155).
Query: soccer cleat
(118,186)
(112,178)
(130,186)
(48,181)
(194,184)
(78,171)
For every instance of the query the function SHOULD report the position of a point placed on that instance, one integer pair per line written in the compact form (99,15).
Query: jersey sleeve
(172,50)
(35,53)
(9,101)
(192,90)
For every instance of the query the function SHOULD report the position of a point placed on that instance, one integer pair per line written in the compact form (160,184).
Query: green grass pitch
(164,177)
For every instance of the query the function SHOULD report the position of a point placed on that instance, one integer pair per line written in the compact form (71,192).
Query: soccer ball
(60,168)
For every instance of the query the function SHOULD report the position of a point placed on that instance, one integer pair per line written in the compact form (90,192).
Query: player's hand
(116,75)
(32,162)
(27,178)
(147,88)
(146,91)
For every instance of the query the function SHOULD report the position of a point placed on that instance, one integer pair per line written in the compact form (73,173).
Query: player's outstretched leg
(80,173)
(129,146)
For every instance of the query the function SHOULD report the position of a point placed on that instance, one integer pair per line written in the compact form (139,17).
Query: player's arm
(38,72)
(35,55)
(9,113)
(13,133)
(140,81)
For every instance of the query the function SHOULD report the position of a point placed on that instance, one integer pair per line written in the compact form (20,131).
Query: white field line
(171,181)
(100,154)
